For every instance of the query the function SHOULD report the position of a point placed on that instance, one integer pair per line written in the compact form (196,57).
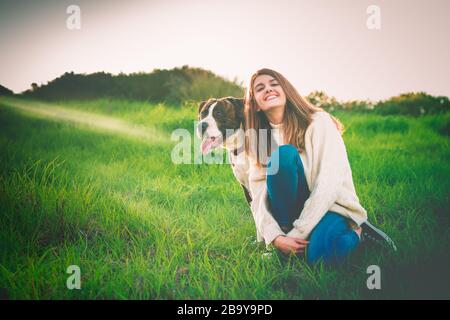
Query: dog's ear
(202,104)
(238,104)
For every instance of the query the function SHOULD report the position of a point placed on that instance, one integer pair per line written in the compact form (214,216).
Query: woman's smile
(270,96)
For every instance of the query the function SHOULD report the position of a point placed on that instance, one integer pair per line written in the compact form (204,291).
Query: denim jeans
(332,239)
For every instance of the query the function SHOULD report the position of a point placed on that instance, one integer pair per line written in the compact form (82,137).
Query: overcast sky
(317,44)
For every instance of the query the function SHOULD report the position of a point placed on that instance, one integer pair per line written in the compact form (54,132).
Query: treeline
(5,91)
(178,85)
(170,86)
(413,104)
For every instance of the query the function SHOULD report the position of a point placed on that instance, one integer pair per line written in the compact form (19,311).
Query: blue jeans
(332,239)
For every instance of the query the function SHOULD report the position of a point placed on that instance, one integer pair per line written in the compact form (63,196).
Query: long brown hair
(297,116)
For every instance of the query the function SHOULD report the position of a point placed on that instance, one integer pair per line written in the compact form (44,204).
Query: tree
(5,91)
(34,87)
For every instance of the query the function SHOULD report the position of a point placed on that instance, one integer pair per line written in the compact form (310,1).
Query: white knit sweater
(328,175)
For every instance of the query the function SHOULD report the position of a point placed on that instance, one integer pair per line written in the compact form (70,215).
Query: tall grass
(141,227)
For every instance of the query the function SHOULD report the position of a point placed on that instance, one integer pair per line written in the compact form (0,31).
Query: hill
(170,86)
(5,91)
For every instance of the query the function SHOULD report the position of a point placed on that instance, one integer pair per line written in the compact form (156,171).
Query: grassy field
(92,184)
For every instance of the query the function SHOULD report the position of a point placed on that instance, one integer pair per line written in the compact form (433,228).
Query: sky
(316,44)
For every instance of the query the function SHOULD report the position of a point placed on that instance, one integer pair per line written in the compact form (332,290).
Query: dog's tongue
(206,145)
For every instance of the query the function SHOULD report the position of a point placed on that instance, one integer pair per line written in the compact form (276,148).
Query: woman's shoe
(373,234)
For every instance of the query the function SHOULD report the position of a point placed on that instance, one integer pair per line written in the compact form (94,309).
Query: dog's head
(219,119)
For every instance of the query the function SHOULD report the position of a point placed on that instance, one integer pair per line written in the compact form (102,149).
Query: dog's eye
(219,113)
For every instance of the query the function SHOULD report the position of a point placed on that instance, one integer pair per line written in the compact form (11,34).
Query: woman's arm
(266,226)
(330,162)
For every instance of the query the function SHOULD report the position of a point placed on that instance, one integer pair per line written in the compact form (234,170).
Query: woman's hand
(290,245)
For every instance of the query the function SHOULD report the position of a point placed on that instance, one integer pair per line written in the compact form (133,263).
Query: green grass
(141,227)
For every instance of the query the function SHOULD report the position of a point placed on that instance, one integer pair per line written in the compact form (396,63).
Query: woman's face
(268,93)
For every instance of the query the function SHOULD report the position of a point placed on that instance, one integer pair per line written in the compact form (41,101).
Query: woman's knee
(346,243)
(285,156)
(331,238)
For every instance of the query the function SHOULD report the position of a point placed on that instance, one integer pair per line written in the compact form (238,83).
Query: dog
(222,124)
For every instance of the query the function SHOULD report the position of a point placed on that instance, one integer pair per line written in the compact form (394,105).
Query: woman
(299,177)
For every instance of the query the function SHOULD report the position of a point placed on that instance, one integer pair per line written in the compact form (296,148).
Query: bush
(413,104)
(439,124)
(330,104)
(5,91)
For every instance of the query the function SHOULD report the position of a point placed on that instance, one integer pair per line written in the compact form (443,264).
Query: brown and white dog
(221,124)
